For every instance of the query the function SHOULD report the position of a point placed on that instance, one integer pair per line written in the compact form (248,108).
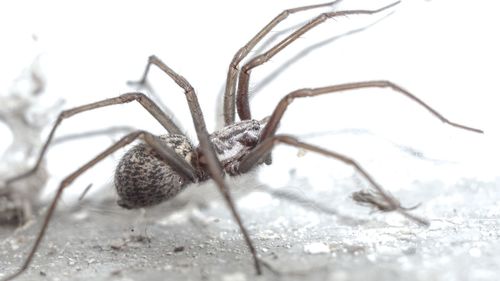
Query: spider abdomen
(143,179)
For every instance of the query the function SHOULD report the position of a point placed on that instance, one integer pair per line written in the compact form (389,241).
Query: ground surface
(196,242)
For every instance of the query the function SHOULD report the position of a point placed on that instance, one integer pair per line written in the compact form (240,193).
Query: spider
(159,167)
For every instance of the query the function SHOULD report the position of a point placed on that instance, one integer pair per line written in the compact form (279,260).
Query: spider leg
(272,124)
(178,163)
(229,98)
(268,138)
(208,156)
(147,137)
(387,201)
(242,102)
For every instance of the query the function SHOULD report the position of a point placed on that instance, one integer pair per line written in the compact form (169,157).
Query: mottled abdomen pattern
(143,179)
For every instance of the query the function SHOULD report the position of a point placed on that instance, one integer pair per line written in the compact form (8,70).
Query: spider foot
(386,203)
(377,201)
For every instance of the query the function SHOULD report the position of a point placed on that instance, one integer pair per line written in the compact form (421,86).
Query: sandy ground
(178,241)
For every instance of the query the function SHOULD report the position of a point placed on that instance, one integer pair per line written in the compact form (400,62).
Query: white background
(443,51)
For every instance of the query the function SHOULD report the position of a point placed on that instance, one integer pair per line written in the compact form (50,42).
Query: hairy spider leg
(272,124)
(150,139)
(146,102)
(265,147)
(208,157)
(242,99)
(232,74)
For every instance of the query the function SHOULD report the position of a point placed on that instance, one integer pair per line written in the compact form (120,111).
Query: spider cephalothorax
(235,141)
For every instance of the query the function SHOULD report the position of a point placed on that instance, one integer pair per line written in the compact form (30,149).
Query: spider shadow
(405,149)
